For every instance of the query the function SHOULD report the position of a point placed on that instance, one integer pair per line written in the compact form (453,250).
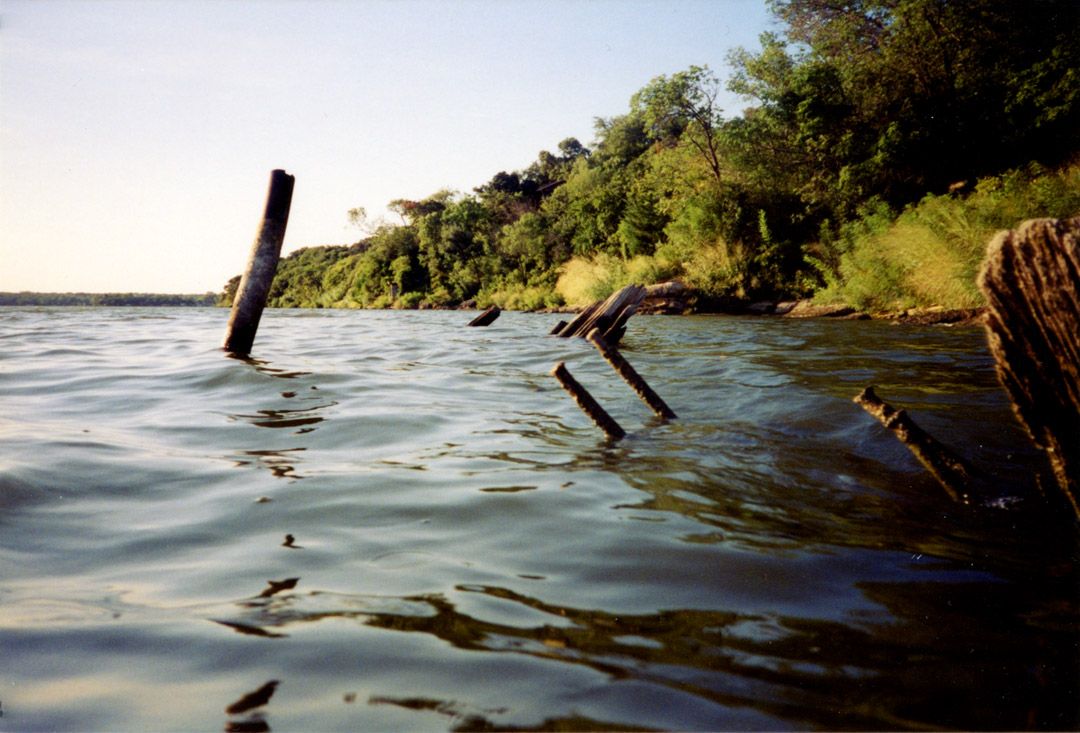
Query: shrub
(409,301)
(583,281)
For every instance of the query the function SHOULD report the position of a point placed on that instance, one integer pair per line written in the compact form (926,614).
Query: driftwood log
(1031,280)
(949,470)
(487,317)
(609,316)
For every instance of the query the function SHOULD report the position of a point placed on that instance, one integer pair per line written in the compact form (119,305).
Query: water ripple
(403,523)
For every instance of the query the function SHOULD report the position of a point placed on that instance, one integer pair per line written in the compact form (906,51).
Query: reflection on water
(285,418)
(254,699)
(464,719)
(264,367)
(277,586)
(253,722)
(789,667)
(280,462)
(476,556)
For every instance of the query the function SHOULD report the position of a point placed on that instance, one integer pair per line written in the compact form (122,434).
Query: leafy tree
(682,108)
(897,97)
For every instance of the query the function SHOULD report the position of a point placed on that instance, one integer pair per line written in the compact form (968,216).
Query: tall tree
(683,107)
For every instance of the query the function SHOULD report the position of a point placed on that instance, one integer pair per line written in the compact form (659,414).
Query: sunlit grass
(931,253)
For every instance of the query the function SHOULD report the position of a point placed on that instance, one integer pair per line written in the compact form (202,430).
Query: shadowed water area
(386,521)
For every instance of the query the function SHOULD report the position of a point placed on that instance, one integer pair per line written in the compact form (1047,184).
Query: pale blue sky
(137,136)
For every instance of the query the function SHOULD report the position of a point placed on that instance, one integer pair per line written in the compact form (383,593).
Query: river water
(408,525)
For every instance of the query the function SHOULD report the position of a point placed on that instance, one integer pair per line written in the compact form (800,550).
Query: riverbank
(675,298)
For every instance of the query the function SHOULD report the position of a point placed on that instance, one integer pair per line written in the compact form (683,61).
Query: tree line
(109,299)
(881,143)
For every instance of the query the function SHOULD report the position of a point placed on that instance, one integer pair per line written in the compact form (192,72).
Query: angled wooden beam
(487,317)
(605,314)
(949,470)
(251,295)
(587,404)
(629,375)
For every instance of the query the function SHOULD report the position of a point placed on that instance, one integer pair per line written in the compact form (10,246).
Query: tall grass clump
(585,280)
(718,270)
(930,254)
(715,270)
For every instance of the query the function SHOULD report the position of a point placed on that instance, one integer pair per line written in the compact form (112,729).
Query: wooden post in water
(262,264)
(1031,280)
(630,376)
(487,317)
(586,402)
(948,469)
(609,315)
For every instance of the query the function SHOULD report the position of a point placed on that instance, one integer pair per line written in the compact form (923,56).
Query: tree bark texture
(1031,280)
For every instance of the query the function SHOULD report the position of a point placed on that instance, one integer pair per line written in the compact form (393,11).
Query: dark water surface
(409,526)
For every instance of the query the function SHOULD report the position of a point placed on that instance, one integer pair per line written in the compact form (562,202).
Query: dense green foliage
(872,163)
(111,299)
(931,252)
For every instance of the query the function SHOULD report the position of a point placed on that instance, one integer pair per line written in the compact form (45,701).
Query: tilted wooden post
(487,317)
(951,472)
(262,264)
(587,404)
(623,368)
(1031,280)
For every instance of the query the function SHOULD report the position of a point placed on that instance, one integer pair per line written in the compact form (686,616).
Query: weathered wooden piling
(487,317)
(623,368)
(586,402)
(569,329)
(949,470)
(1031,280)
(617,329)
(254,286)
(609,315)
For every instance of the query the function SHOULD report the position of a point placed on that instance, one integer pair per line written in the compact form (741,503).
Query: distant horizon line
(107,292)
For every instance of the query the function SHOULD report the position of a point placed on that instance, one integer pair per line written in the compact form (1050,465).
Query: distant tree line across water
(109,299)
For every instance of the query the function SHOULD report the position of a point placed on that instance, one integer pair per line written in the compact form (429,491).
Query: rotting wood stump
(609,316)
(1031,281)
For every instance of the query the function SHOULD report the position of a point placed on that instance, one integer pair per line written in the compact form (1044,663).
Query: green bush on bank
(930,254)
